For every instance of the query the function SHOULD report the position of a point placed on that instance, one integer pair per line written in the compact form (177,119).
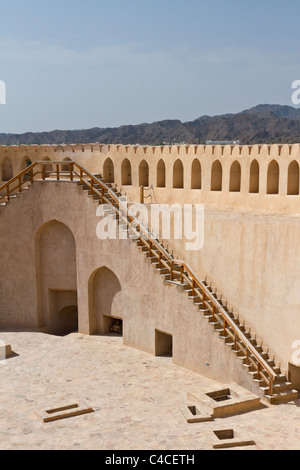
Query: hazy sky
(74,64)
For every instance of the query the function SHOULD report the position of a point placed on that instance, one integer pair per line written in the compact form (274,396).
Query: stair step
(284,397)
(279,388)
(282,388)
(176,283)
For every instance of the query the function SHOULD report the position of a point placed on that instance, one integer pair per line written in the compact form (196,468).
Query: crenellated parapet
(185,173)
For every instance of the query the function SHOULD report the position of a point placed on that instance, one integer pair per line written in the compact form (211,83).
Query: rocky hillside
(258,125)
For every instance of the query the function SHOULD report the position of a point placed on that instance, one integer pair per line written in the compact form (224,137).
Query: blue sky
(74,64)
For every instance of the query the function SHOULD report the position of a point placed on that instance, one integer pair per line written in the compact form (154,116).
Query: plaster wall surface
(142,299)
(251,237)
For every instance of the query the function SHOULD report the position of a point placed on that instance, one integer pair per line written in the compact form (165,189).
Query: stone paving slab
(135,398)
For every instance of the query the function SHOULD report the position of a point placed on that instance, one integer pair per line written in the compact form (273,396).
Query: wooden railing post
(159,259)
(258,370)
(8,193)
(193,289)
(171,271)
(141,194)
(102,195)
(81,175)
(271,386)
(224,329)
(57,172)
(213,313)
(43,173)
(31,176)
(71,171)
(203,300)
(181,274)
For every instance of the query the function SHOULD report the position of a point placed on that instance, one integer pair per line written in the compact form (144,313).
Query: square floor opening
(220,395)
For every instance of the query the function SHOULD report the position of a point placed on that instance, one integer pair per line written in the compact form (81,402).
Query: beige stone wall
(181,163)
(251,239)
(52,218)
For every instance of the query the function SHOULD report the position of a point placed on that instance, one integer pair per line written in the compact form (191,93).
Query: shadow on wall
(56,278)
(103,289)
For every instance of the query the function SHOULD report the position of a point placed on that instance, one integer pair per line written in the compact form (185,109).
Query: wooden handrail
(162,255)
(226,318)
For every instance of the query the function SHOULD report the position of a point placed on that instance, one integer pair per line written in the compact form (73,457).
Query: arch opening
(126,173)
(235,177)
(273,178)
(66,167)
(56,279)
(6,170)
(216,176)
(196,175)
(161,174)
(26,162)
(254,178)
(178,175)
(67,320)
(47,168)
(144,174)
(104,288)
(109,171)
(293,179)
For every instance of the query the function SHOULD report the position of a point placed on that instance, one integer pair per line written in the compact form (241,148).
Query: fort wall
(260,178)
(252,204)
(57,263)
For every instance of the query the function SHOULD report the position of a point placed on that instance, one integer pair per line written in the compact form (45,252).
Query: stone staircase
(282,388)
(254,358)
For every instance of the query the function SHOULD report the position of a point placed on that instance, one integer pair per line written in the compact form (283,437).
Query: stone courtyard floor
(134,395)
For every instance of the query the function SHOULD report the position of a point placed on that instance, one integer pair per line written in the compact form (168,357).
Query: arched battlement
(161,173)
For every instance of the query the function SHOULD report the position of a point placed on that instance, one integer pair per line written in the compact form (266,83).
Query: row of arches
(7,172)
(235,178)
(216,180)
(57,284)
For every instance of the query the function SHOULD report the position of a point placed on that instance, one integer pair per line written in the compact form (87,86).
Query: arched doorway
(26,162)
(216,176)
(126,173)
(273,178)
(293,179)
(196,175)
(55,254)
(6,170)
(47,168)
(178,174)
(235,178)
(66,167)
(254,178)
(144,174)
(67,320)
(104,287)
(161,174)
(109,171)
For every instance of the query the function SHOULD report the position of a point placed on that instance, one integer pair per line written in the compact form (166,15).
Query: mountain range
(262,124)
